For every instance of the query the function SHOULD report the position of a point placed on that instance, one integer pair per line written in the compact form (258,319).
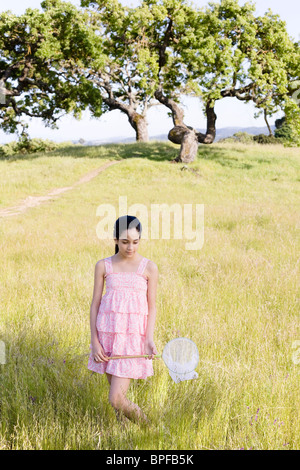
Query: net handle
(157,356)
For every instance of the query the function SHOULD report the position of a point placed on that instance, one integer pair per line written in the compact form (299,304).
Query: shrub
(284,133)
(25,146)
(242,137)
(266,139)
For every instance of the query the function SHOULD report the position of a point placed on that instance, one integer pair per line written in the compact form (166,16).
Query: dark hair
(126,222)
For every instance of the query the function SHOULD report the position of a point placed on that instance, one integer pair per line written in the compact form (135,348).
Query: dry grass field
(237,298)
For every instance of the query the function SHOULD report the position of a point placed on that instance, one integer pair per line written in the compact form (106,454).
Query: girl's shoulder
(151,264)
(151,267)
(101,262)
(100,266)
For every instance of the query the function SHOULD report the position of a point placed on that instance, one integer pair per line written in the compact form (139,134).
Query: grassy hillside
(237,298)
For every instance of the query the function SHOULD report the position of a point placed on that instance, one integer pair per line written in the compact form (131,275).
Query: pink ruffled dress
(121,323)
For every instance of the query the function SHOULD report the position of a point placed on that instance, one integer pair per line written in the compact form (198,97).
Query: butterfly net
(181,357)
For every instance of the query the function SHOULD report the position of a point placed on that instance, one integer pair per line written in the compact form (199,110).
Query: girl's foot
(121,418)
(144,421)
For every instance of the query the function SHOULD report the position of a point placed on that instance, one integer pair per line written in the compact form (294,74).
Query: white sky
(230,112)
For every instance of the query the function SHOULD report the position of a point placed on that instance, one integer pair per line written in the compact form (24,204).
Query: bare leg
(119,401)
(119,416)
(108,377)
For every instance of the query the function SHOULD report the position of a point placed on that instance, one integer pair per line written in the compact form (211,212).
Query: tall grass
(237,298)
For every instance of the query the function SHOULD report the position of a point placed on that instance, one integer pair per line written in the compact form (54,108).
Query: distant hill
(229,131)
(221,134)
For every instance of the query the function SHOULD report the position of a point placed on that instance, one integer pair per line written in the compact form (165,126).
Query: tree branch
(177,112)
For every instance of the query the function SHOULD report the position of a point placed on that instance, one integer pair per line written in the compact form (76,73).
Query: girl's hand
(98,352)
(150,348)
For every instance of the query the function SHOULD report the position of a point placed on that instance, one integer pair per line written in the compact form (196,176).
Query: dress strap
(108,266)
(142,266)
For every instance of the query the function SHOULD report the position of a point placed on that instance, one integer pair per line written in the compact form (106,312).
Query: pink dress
(121,323)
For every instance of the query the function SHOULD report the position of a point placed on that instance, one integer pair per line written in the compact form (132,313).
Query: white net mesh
(180,377)
(181,356)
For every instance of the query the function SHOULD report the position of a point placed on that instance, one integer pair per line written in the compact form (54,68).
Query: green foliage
(266,139)
(284,132)
(26,146)
(40,54)
(241,137)
(292,114)
(236,54)
(108,56)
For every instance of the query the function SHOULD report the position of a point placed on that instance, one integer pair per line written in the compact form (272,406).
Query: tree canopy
(38,53)
(107,56)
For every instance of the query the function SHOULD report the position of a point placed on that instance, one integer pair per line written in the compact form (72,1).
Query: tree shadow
(158,151)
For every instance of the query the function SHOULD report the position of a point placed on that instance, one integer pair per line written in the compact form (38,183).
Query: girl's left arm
(151,296)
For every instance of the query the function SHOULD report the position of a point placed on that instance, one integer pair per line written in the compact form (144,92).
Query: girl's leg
(119,401)
(118,414)
(120,417)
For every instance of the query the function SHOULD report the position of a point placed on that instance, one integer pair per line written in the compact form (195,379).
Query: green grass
(237,298)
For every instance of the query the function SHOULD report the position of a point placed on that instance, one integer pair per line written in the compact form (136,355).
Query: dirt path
(33,201)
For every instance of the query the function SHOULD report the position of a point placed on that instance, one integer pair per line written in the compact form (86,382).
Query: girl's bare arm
(97,295)
(97,350)
(151,296)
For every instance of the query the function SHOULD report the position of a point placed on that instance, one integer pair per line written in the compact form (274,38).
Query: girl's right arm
(97,350)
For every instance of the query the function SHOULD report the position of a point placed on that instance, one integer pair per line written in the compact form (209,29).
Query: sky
(230,112)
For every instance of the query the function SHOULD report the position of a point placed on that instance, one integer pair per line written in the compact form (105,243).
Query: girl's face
(128,242)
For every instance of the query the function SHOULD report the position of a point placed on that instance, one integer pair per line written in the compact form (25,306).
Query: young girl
(122,321)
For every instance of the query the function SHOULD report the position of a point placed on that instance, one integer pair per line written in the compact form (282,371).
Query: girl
(122,322)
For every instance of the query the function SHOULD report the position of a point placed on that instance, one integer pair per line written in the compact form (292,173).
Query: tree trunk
(189,147)
(211,118)
(266,120)
(177,111)
(140,125)
(187,138)
(185,135)
(181,134)
(136,120)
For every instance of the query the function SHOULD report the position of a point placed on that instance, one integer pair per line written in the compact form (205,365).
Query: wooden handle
(129,357)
